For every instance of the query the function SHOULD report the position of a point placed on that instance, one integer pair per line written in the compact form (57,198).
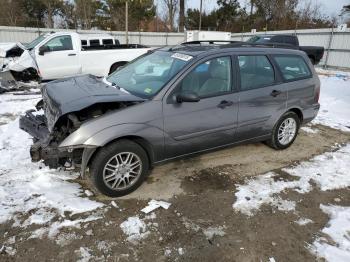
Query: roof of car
(207,49)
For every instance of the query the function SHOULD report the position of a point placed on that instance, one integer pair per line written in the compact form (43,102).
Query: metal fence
(27,34)
(336,44)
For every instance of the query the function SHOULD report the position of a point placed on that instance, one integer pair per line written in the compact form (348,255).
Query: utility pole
(200,15)
(126,23)
(182,15)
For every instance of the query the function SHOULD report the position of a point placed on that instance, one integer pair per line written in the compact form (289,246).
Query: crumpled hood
(7,47)
(76,93)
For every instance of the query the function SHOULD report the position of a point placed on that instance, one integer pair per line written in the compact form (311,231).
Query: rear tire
(285,131)
(119,168)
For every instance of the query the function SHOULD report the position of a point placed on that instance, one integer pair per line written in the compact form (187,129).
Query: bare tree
(171,7)
(53,8)
(10,12)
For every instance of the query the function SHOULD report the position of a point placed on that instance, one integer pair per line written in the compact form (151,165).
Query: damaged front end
(66,105)
(16,65)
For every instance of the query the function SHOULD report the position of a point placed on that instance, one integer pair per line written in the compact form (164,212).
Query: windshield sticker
(182,57)
(148,90)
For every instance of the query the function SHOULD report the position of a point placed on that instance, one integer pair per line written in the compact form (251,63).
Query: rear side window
(107,41)
(292,67)
(255,71)
(94,42)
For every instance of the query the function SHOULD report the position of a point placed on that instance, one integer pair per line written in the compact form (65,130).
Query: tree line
(143,15)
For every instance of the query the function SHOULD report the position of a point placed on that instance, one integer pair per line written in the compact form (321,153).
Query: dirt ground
(201,193)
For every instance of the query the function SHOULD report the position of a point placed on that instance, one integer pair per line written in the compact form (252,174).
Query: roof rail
(197,42)
(230,43)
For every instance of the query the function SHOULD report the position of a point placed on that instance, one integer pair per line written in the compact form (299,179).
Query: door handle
(275,93)
(72,54)
(225,103)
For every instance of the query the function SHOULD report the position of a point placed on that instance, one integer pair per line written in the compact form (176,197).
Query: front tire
(119,168)
(285,131)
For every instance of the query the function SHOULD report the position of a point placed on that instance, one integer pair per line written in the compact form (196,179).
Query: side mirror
(43,49)
(187,97)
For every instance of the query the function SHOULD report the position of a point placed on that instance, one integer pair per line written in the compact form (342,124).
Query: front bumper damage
(17,66)
(44,147)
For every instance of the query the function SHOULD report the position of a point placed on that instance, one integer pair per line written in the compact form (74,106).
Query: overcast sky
(329,7)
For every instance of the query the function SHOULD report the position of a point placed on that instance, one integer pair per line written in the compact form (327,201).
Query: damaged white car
(63,54)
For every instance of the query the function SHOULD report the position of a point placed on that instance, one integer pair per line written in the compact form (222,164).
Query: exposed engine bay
(53,121)
(45,146)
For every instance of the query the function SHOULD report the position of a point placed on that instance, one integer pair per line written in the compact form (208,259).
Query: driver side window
(207,79)
(60,43)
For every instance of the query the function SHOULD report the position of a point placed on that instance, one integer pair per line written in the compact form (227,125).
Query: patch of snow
(27,186)
(303,221)
(181,251)
(167,252)
(338,229)
(84,254)
(271,259)
(151,216)
(259,191)
(134,228)
(56,226)
(17,104)
(154,204)
(210,232)
(335,102)
(40,217)
(329,171)
(88,193)
(283,204)
(309,130)
(65,239)
(8,250)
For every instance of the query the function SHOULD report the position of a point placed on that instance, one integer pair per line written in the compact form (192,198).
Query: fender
(151,134)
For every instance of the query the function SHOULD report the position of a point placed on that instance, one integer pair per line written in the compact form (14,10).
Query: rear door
(61,60)
(212,121)
(262,95)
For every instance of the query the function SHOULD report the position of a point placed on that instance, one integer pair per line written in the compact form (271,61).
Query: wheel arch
(298,112)
(117,64)
(88,154)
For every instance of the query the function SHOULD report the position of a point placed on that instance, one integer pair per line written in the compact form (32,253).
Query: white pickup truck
(63,54)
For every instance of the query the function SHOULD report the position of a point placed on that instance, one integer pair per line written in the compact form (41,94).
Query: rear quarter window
(292,67)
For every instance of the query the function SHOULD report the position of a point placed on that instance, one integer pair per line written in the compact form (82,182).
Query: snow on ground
(134,228)
(329,171)
(338,230)
(31,188)
(334,100)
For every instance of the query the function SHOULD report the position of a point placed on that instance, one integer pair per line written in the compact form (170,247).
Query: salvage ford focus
(170,103)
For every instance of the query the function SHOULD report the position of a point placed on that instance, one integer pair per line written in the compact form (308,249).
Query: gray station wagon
(172,102)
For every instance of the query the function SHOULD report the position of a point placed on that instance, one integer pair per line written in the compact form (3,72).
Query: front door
(60,60)
(211,122)
(262,96)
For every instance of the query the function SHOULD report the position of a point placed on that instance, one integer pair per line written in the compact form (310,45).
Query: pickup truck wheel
(119,168)
(285,131)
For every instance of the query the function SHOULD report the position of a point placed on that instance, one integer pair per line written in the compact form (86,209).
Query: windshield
(36,41)
(148,74)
